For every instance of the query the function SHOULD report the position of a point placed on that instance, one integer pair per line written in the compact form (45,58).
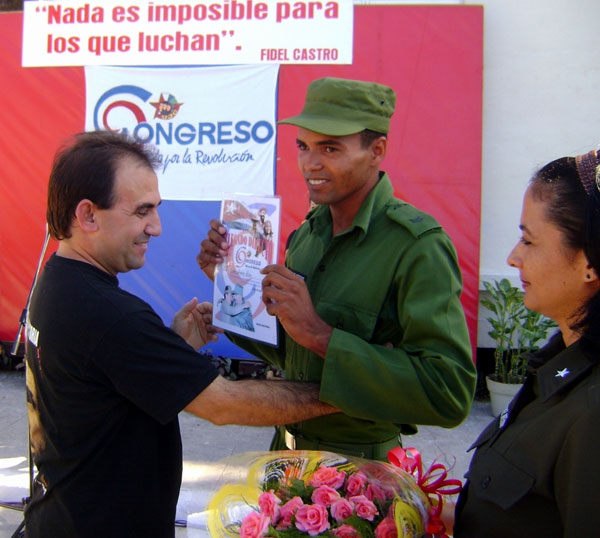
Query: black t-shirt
(106,380)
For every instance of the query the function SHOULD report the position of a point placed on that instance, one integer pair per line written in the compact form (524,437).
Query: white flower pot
(501,394)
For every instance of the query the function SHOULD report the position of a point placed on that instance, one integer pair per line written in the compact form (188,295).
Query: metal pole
(23,318)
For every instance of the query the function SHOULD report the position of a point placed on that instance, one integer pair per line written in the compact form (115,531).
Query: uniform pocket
(495,479)
(349,317)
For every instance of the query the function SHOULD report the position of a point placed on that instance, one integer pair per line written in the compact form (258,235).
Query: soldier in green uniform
(369,295)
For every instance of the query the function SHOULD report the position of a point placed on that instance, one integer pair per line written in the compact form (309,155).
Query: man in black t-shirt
(106,378)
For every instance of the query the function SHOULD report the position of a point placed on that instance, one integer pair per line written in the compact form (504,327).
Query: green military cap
(340,107)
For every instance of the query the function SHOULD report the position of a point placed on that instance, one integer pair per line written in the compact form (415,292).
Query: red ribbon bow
(434,482)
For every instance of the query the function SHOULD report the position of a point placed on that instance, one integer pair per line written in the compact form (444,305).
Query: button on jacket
(537,475)
(392,277)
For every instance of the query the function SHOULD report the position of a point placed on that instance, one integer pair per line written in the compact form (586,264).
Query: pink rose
(269,505)
(342,509)
(254,525)
(327,476)
(378,471)
(345,531)
(385,476)
(386,529)
(312,518)
(325,495)
(355,483)
(375,492)
(365,509)
(287,511)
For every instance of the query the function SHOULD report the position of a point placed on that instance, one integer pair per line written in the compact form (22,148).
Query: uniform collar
(374,202)
(563,367)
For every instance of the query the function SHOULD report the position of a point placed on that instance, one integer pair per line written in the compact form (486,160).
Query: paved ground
(204,445)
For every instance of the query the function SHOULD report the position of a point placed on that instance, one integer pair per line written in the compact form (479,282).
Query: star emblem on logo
(562,373)
(166,109)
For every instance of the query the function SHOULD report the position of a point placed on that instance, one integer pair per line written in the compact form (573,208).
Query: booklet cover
(252,224)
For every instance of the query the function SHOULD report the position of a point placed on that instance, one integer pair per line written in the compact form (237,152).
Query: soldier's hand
(286,296)
(212,249)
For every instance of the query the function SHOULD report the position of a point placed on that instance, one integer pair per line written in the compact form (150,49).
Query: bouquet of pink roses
(298,493)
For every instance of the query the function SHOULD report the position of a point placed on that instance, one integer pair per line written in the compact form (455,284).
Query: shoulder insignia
(414,220)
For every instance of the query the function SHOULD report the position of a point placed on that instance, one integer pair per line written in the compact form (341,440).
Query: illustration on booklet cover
(252,224)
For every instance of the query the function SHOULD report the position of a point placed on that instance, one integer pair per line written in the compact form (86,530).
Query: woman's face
(554,277)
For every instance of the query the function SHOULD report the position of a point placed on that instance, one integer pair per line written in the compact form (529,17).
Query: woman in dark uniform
(536,468)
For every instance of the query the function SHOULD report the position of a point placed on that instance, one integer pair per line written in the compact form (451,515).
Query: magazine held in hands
(252,224)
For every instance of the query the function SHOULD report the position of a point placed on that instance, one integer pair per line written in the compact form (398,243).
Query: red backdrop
(430,55)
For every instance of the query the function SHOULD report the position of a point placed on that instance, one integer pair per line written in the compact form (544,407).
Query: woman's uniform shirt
(536,469)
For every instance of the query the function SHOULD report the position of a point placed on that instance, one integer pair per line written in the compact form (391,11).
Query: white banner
(214,126)
(183,32)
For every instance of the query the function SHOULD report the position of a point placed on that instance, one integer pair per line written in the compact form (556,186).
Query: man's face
(337,169)
(125,229)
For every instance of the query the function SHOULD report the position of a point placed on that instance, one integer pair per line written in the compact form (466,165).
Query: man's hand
(286,296)
(212,249)
(193,323)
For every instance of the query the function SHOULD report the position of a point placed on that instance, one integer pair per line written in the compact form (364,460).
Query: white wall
(541,101)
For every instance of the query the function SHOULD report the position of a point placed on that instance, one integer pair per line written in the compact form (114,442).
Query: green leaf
(515,329)
(300,489)
(292,532)
(363,526)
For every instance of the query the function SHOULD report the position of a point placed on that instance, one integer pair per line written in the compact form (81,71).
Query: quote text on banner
(213,126)
(180,32)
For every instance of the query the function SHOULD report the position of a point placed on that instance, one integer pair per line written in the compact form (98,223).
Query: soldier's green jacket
(392,277)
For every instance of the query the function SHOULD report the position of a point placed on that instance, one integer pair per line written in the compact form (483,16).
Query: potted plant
(516,331)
